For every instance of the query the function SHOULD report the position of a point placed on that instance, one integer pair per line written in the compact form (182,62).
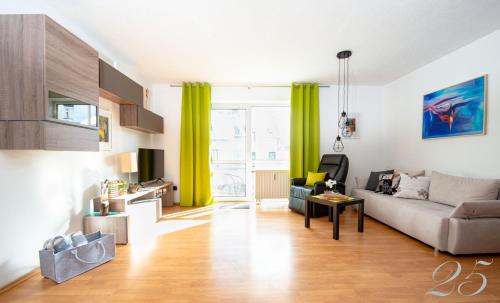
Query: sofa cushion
(453,190)
(387,184)
(477,209)
(313,177)
(374,178)
(424,220)
(413,187)
(361,182)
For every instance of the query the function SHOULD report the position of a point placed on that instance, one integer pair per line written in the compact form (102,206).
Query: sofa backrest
(453,190)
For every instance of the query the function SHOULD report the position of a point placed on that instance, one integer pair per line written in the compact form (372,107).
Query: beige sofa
(462,215)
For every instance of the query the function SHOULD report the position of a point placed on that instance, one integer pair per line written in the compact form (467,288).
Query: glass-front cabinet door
(68,110)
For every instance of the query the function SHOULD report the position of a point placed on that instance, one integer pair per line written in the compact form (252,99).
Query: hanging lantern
(338,146)
(343,120)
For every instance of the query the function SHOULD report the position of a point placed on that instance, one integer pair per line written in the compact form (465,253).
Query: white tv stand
(135,220)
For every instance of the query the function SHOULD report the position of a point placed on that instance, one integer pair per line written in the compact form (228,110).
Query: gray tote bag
(69,263)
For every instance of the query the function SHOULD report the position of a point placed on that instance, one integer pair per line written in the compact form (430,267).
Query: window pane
(271,137)
(228,135)
(229,180)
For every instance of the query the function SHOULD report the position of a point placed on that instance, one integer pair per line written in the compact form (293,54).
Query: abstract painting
(353,126)
(105,123)
(456,111)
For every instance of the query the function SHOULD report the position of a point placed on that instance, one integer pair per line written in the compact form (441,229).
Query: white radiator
(271,184)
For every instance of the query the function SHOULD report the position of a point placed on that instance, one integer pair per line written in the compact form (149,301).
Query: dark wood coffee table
(333,212)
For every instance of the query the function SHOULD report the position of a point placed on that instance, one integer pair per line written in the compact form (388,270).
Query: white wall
(476,156)
(166,101)
(364,153)
(45,193)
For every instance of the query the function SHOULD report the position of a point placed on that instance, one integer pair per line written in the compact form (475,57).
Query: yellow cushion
(314,177)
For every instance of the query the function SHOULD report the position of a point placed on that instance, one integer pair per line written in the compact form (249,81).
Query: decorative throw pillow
(395,182)
(398,172)
(385,184)
(374,177)
(314,177)
(413,187)
(388,183)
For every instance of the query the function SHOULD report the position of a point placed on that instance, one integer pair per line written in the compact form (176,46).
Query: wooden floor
(266,255)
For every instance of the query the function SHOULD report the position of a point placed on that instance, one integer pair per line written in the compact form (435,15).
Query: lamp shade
(128,162)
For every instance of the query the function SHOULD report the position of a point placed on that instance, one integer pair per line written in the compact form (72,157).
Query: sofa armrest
(319,187)
(477,209)
(298,181)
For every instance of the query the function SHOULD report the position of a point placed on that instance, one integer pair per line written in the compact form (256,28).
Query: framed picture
(457,110)
(105,130)
(353,126)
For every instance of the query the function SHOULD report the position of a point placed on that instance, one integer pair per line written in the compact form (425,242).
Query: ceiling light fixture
(343,125)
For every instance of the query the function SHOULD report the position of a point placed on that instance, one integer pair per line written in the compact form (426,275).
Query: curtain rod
(249,85)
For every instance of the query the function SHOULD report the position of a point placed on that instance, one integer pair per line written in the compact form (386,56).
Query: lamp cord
(347,107)
(343,86)
(338,100)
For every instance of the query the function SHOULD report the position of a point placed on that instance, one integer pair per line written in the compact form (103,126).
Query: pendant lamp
(343,125)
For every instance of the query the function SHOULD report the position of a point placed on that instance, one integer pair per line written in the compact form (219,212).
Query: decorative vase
(133,188)
(104,208)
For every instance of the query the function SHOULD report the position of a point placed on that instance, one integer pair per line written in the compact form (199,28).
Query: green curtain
(304,129)
(195,141)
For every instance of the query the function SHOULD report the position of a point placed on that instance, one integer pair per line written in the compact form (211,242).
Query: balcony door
(246,137)
(229,153)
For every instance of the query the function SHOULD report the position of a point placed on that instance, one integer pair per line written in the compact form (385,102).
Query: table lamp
(128,163)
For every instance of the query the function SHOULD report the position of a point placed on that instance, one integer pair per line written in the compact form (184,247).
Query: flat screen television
(150,164)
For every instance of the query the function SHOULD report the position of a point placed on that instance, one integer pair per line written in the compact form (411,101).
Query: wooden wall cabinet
(46,135)
(139,118)
(38,59)
(117,87)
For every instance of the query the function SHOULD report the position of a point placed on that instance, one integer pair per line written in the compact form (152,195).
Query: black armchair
(336,166)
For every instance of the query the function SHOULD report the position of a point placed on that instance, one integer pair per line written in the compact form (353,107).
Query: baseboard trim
(19,280)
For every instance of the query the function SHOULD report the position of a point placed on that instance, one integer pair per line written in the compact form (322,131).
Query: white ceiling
(277,41)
